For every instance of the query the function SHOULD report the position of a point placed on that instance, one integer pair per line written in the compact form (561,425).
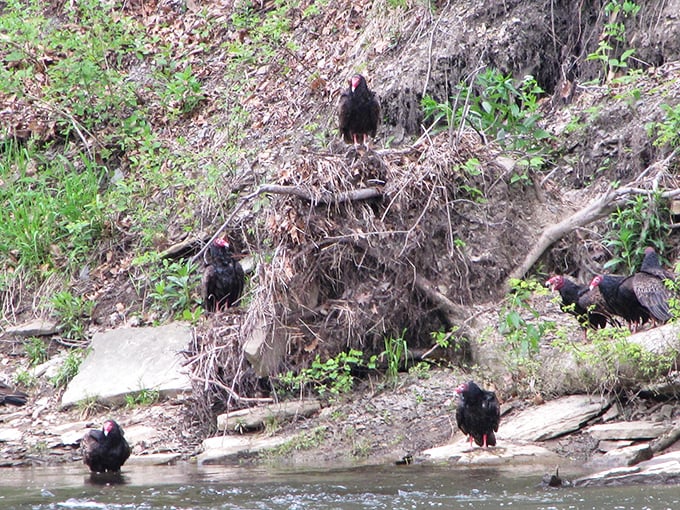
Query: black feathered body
(621,297)
(583,303)
(10,396)
(105,452)
(358,112)
(478,413)
(223,279)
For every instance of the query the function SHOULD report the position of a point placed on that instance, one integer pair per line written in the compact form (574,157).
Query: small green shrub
(69,368)
(25,378)
(174,289)
(73,314)
(668,130)
(36,350)
(634,227)
(332,377)
(395,352)
(143,397)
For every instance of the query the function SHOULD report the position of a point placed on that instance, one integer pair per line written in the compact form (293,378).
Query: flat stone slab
(257,417)
(35,327)
(228,449)
(628,430)
(512,454)
(552,419)
(664,469)
(10,435)
(626,456)
(153,459)
(128,360)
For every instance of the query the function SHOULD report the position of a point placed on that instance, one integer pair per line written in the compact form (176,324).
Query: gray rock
(135,434)
(460,453)
(257,417)
(628,430)
(607,446)
(553,419)
(10,435)
(626,456)
(35,327)
(153,459)
(224,449)
(128,360)
(664,469)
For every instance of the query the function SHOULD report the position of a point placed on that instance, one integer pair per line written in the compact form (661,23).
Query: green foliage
(617,362)
(182,92)
(73,313)
(68,369)
(303,441)
(614,36)
(523,335)
(52,212)
(634,227)
(395,352)
(36,350)
(25,378)
(174,289)
(331,377)
(143,397)
(668,130)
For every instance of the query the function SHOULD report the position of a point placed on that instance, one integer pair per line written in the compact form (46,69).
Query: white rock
(222,449)
(627,430)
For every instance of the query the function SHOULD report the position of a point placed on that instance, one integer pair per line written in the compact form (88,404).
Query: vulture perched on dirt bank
(587,305)
(223,277)
(106,449)
(10,396)
(478,414)
(358,112)
(640,297)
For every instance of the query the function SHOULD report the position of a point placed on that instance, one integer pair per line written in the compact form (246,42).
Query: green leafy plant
(614,36)
(36,350)
(332,377)
(68,369)
(668,130)
(25,378)
(73,313)
(174,289)
(143,397)
(523,335)
(395,352)
(634,227)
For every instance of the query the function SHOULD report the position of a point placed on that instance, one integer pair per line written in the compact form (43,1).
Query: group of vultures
(638,299)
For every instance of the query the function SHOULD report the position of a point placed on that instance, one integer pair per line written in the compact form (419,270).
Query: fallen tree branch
(596,209)
(232,393)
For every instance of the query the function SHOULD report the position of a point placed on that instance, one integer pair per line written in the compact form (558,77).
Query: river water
(187,487)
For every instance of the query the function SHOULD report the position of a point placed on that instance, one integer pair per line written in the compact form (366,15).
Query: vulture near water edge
(106,449)
(478,414)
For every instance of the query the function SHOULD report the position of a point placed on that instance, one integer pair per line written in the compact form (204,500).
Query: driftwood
(595,210)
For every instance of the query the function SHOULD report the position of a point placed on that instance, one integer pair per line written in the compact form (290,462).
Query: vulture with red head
(358,112)
(478,414)
(223,277)
(106,449)
(587,305)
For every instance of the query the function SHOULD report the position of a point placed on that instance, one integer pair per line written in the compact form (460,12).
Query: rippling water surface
(186,487)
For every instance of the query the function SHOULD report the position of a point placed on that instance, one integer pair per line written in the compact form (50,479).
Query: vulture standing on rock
(106,449)
(587,305)
(10,396)
(640,297)
(358,112)
(478,414)
(223,277)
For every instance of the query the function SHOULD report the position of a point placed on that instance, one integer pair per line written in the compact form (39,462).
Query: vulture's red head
(596,281)
(649,250)
(222,243)
(355,81)
(555,283)
(461,388)
(109,425)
